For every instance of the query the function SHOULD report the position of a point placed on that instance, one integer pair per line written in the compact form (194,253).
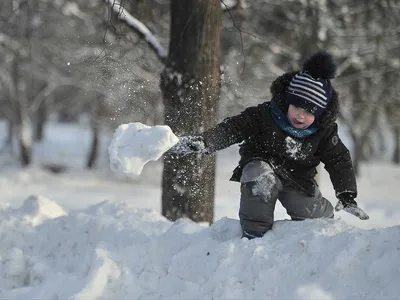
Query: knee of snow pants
(259,191)
(300,206)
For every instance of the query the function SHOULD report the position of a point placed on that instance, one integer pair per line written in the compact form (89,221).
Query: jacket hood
(280,85)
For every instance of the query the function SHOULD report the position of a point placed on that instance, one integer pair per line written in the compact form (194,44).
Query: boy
(283,141)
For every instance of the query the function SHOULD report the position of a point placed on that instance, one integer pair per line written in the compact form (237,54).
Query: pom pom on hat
(320,65)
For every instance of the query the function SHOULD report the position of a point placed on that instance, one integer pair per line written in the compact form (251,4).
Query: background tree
(190,84)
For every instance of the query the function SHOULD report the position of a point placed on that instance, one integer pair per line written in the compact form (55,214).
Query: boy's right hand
(190,144)
(348,204)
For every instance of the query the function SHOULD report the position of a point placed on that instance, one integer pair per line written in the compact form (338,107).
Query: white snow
(37,209)
(135,144)
(294,148)
(90,235)
(263,182)
(115,251)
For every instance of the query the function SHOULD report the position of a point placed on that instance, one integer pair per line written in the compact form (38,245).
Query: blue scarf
(283,122)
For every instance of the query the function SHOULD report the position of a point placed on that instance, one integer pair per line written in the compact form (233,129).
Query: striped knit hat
(311,88)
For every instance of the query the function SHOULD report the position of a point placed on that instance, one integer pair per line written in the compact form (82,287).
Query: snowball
(135,144)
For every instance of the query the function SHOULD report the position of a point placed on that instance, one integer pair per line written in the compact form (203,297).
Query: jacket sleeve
(338,163)
(235,129)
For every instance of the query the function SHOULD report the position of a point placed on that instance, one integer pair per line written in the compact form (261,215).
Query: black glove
(348,204)
(190,144)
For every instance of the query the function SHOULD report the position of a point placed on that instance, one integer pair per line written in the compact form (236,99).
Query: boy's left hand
(348,204)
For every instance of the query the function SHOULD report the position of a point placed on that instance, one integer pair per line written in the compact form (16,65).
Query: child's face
(300,118)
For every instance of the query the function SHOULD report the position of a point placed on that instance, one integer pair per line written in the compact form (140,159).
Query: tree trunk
(21,110)
(191,85)
(94,148)
(25,140)
(396,154)
(40,121)
(10,131)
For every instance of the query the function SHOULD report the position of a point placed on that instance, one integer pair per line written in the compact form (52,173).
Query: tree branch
(139,28)
(232,4)
(10,43)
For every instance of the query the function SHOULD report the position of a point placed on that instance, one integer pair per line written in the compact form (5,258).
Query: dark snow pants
(260,188)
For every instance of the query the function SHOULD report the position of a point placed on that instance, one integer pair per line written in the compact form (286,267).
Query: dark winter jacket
(293,159)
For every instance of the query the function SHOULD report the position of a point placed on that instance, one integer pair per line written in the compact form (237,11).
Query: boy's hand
(348,204)
(190,144)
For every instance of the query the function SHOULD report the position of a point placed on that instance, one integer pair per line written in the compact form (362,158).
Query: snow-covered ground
(82,234)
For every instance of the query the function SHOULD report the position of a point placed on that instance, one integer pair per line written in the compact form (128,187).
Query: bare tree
(16,43)
(190,84)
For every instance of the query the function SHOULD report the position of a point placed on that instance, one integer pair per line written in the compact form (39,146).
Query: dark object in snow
(251,234)
(53,168)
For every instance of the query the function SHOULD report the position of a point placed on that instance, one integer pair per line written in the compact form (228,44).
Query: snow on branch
(140,28)
(232,4)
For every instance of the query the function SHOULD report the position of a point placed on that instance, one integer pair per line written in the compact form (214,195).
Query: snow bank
(134,144)
(36,209)
(114,251)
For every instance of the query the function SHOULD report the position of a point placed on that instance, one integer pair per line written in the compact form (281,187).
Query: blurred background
(70,70)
